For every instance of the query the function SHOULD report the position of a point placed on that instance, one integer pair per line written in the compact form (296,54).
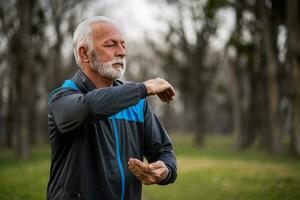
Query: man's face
(108,54)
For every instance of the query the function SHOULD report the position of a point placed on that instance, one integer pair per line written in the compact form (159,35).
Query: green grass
(24,179)
(219,172)
(211,173)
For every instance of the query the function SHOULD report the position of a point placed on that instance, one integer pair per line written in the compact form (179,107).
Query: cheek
(106,55)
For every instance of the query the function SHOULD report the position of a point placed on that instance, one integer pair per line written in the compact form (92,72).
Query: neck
(98,80)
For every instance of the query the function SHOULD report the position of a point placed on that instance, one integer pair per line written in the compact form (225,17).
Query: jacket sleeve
(157,144)
(70,108)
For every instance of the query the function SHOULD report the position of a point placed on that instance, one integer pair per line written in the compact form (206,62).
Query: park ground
(215,172)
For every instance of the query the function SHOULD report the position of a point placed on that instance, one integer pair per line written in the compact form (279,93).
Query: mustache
(121,61)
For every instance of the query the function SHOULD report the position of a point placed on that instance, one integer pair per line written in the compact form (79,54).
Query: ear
(83,54)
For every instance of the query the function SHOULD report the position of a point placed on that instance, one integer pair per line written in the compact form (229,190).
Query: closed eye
(113,44)
(109,45)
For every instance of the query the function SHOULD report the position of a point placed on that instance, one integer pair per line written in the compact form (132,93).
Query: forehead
(104,31)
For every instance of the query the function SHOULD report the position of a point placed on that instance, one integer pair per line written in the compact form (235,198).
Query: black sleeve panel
(157,144)
(70,108)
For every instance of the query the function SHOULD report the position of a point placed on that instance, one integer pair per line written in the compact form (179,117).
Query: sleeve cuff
(143,90)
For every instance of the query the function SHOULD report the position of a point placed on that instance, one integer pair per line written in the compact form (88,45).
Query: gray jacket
(94,132)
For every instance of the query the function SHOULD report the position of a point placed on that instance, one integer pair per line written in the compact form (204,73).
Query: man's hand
(160,87)
(148,173)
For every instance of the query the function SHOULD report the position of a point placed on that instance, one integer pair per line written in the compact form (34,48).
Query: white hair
(83,34)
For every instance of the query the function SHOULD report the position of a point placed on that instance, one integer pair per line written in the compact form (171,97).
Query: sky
(136,18)
(133,16)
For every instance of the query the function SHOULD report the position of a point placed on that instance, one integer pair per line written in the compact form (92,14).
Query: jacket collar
(83,82)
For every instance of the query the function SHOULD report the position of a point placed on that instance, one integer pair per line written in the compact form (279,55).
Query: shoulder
(68,86)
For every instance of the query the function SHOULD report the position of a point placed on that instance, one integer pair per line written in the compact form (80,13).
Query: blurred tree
(268,71)
(187,63)
(20,59)
(23,30)
(272,69)
(63,20)
(259,70)
(7,26)
(293,58)
(237,70)
(248,83)
(29,60)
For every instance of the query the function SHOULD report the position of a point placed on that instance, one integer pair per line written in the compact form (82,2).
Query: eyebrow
(113,40)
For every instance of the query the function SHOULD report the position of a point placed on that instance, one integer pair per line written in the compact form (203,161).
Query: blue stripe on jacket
(66,84)
(133,113)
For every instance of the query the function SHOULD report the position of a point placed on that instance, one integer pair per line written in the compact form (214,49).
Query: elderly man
(100,128)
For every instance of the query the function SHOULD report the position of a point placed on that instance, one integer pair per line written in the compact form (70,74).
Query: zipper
(118,155)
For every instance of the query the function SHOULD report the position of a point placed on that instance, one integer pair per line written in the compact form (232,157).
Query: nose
(121,52)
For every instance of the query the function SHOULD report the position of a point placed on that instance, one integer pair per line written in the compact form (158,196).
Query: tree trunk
(9,122)
(272,80)
(253,123)
(2,117)
(258,123)
(200,124)
(235,86)
(293,59)
(236,104)
(32,107)
(263,110)
(23,147)
(23,87)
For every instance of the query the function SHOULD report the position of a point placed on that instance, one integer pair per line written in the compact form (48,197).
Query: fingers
(171,90)
(171,93)
(163,97)
(167,95)
(143,176)
(159,169)
(141,171)
(156,165)
(139,164)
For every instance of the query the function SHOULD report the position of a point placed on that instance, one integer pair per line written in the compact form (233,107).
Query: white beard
(106,69)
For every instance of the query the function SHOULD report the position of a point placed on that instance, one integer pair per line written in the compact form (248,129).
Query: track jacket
(94,132)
